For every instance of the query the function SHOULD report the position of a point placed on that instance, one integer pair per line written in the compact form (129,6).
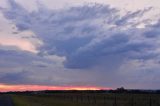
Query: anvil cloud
(89,44)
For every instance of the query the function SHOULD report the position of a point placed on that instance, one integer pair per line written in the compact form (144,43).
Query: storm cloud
(92,38)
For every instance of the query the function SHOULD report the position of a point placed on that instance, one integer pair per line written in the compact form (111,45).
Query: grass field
(86,99)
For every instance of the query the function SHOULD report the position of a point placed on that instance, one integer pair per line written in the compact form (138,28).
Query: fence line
(104,100)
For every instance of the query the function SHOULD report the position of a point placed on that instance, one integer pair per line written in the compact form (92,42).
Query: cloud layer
(92,40)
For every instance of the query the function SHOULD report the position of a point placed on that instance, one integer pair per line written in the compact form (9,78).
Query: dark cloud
(153,31)
(89,37)
(68,32)
(21,67)
(130,16)
(15,78)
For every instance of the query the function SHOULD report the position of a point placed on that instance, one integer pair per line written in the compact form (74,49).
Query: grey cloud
(93,54)
(90,37)
(152,31)
(15,78)
(131,15)
(18,15)
(20,67)
(64,32)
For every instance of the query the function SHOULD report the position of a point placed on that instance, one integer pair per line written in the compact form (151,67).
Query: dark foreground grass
(86,99)
(23,100)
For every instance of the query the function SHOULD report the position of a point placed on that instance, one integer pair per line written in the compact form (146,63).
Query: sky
(82,44)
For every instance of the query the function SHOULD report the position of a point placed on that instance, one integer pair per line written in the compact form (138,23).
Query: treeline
(118,90)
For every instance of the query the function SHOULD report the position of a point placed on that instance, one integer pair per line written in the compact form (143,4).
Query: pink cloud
(5,88)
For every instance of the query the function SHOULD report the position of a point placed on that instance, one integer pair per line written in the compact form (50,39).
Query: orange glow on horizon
(6,88)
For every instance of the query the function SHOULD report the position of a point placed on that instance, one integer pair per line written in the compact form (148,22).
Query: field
(86,99)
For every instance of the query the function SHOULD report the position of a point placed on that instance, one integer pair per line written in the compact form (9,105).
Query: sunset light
(79,44)
(6,88)
(79,52)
